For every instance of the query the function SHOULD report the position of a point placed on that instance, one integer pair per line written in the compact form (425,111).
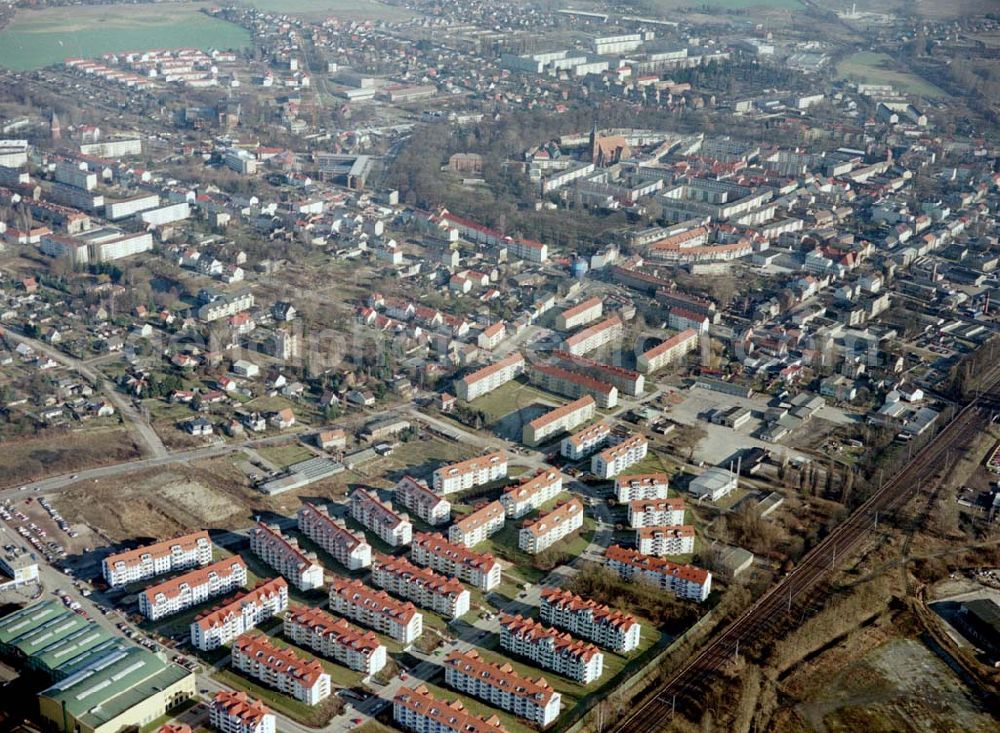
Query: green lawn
(504,545)
(879,68)
(511,397)
(285,455)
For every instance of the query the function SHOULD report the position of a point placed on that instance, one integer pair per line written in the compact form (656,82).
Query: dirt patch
(62,452)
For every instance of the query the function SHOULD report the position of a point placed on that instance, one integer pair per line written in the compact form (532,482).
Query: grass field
(346,9)
(57,452)
(878,68)
(37,38)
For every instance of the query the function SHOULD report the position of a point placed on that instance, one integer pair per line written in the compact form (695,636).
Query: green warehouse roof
(21,622)
(88,657)
(68,647)
(49,634)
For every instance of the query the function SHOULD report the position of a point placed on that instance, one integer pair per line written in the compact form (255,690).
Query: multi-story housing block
(485,380)
(399,576)
(590,620)
(655,512)
(540,534)
(335,638)
(594,337)
(239,614)
(376,609)
(237,712)
(390,526)
(559,420)
(256,655)
(586,441)
(580,314)
(624,380)
(531,492)
(667,540)
(470,473)
(282,553)
(502,687)
(477,569)
(416,709)
(180,553)
(562,381)
(478,526)
(416,496)
(348,548)
(684,581)
(636,486)
(667,352)
(551,649)
(192,588)
(612,461)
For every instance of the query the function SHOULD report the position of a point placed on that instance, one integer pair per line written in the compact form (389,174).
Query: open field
(729,4)
(341,9)
(511,397)
(37,38)
(54,453)
(878,68)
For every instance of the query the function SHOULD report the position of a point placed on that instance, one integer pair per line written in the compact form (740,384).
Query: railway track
(803,590)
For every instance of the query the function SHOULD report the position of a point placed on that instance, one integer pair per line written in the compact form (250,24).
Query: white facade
(348,548)
(612,461)
(125,208)
(542,533)
(477,569)
(490,377)
(180,553)
(581,314)
(668,540)
(655,512)
(596,336)
(633,487)
(531,493)
(478,526)
(611,629)
(416,709)
(236,712)
(193,588)
(446,596)
(284,555)
(335,638)
(416,496)
(551,649)
(470,473)
(585,442)
(501,687)
(281,668)
(376,610)
(392,527)
(684,581)
(224,623)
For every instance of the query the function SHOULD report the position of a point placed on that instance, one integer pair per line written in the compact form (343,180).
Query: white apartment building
(487,379)
(180,553)
(125,208)
(399,576)
(390,526)
(470,473)
(416,709)
(594,337)
(612,461)
(655,512)
(283,554)
(636,486)
(237,712)
(335,638)
(501,687)
(113,148)
(559,420)
(376,609)
(551,649)
(348,548)
(477,569)
(668,540)
(478,526)
(239,614)
(684,581)
(192,588)
(604,45)
(586,441)
(581,314)
(531,492)
(416,496)
(280,668)
(225,306)
(540,534)
(596,622)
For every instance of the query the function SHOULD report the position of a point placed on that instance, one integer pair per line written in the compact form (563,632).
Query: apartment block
(551,649)
(626,381)
(596,622)
(192,588)
(280,668)
(540,534)
(282,553)
(655,512)
(390,526)
(684,581)
(581,314)
(586,441)
(180,553)
(427,589)
(501,687)
(531,492)
(478,526)
(376,609)
(669,352)
(416,709)
(348,548)
(559,420)
(675,539)
(485,380)
(237,712)
(239,614)
(470,473)
(335,638)
(562,381)
(612,461)
(594,337)
(417,496)
(636,486)
(477,569)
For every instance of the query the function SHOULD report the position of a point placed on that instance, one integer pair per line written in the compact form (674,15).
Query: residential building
(180,553)
(624,380)
(485,380)
(636,486)
(668,352)
(478,526)
(239,614)
(376,609)
(675,539)
(586,441)
(684,581)
(571,384)
(280,668)
(283,554)
(531,492)
(559,420)
(237,712)
(581,314)
(501,687)
(416,496)
(551,649)
(348,548)
(193,588)
(589,620)
(470,473)
(655,512)
(446,596)
(596,336)
(612,461)
(491,336)
(335,638)
(416,709)
(477,569)
(539,534)
(392,527)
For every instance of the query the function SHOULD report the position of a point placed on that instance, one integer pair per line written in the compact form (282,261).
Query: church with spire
(607,150)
